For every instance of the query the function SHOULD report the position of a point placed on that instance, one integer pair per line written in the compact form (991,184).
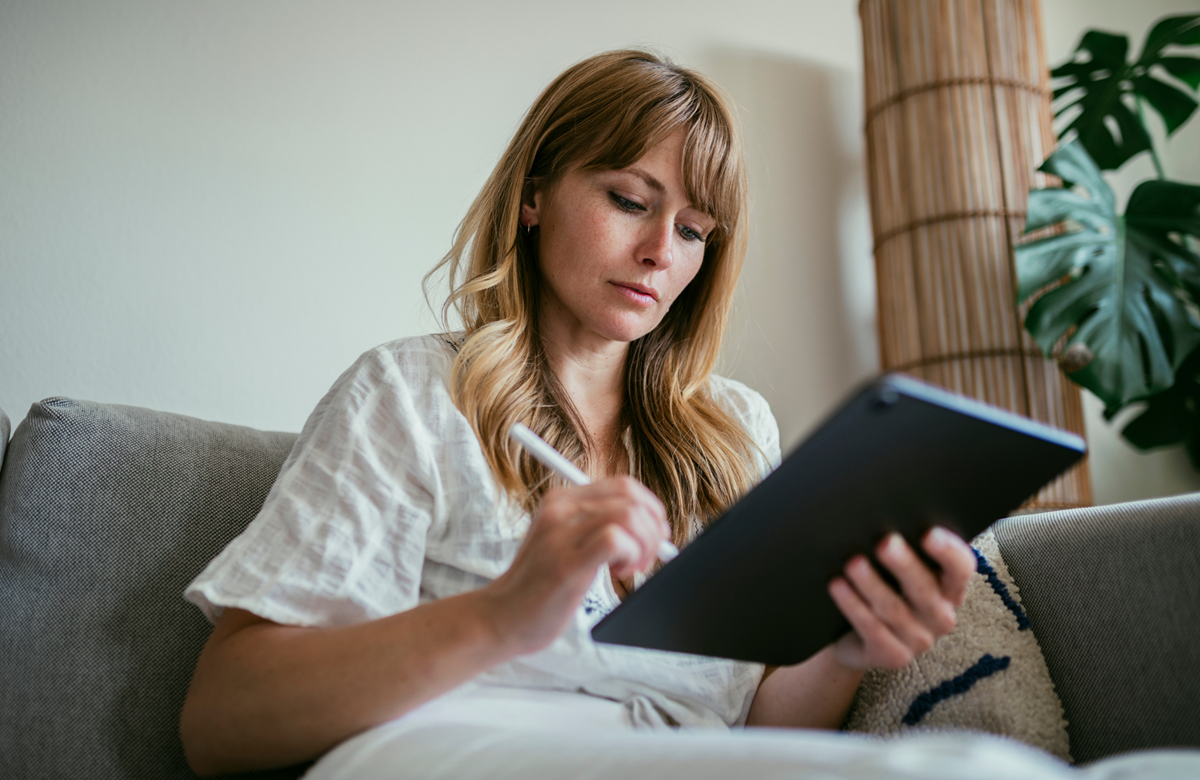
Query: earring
(529,230)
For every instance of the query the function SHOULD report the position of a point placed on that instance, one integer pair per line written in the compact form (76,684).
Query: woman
(410,549)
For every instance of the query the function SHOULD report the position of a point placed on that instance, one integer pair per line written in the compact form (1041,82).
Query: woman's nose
(658,246)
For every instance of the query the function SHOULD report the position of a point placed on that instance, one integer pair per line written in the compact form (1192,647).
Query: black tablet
(899,455)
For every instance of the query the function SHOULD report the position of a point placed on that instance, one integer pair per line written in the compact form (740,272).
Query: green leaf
(1041,263)
(1113,298)
(1073,165)
(1179,30)
(1107,49)
(1173,416)
(1158,212)
(1072,68)
(1163,206)
(1104,87)
(1161,424)
(1112,149)
(1186,69)
(1173,105)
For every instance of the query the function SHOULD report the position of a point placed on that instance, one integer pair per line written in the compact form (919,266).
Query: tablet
(899,455)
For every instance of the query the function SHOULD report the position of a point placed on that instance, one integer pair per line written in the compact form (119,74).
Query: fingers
(956,558)
(892,627)
(616,521)
(892,613)
(610,543)
(619,522)
(920,586)
(872,643)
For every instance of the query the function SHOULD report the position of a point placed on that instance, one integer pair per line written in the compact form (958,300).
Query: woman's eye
(625,204)
(690,234)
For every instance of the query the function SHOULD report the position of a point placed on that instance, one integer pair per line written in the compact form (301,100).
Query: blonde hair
(606,113)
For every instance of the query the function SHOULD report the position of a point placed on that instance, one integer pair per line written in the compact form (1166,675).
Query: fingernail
(894,544)
(939,537)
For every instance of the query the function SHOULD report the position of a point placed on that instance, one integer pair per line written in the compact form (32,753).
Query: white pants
(495,733)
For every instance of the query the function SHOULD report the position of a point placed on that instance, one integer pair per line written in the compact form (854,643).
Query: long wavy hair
(604,114)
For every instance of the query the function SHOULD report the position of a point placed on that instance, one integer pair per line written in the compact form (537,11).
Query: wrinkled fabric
(492,734)
(387,502)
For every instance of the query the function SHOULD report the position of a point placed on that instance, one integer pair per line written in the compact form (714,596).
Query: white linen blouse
(386,501)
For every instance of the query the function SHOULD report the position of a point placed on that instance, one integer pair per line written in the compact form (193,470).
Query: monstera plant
(1115,296)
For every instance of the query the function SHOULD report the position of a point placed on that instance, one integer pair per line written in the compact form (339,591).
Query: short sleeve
(754,413)
(341,536)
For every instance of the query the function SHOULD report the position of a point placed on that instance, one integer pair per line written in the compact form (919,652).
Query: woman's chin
(626,329)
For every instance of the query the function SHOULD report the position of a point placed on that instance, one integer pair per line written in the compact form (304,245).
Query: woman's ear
(530,202)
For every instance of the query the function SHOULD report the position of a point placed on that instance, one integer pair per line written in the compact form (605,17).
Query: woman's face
(616,247)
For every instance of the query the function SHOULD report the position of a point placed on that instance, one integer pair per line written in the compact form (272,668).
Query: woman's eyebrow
(656,185)
(651,182)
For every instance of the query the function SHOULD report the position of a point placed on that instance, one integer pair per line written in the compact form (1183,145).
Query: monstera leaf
(1124,284)
(1105,87)
(1173,416)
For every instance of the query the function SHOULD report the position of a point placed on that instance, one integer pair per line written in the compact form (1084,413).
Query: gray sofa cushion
(5,431)
(106,513)
(1121,647)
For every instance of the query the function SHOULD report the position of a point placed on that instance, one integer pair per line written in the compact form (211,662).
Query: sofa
(108,511)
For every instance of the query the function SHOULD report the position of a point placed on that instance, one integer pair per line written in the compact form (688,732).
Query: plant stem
(1158,166)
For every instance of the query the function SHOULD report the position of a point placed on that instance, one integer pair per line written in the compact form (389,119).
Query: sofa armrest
(5,430)
(106,513)
(1113,595)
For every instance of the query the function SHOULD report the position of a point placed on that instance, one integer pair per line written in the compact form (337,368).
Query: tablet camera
(885,399)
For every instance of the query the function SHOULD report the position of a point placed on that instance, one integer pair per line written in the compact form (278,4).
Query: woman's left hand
(890,628)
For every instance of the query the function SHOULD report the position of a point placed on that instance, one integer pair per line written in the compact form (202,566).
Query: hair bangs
(671,101)
(640,125)
(712,168)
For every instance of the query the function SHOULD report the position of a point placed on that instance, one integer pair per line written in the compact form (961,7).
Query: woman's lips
(640,294)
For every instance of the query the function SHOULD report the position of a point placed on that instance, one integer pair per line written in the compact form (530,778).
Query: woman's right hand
(614,521)
(267,695)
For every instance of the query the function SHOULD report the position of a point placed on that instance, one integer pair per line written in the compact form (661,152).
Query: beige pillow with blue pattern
(988,674)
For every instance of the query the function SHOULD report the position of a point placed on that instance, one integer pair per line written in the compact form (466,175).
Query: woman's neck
(593,377)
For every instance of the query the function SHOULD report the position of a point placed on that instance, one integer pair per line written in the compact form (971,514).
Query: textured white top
(386,501)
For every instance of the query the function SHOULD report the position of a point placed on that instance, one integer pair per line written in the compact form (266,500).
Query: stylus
(554,460)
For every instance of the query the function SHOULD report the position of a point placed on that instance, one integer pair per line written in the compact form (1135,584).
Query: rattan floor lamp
(957,121)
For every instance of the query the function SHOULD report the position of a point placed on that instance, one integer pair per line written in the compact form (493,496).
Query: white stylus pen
(554,460)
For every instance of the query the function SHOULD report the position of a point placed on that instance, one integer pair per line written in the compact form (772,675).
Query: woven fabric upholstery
(106,513)
(5,430)
(1113,596)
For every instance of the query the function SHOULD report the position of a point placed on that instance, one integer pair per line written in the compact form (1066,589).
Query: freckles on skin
(595,256)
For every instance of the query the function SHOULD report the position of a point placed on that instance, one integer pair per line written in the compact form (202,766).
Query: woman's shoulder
(738,398)
(429,350)
(403,378)
(411,360)
(749,408)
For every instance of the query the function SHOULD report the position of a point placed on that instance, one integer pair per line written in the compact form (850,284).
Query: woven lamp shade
(957,120)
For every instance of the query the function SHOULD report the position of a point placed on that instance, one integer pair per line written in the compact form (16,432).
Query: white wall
(212,207)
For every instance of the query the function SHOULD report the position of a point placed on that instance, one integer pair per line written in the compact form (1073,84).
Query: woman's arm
(890,629)
(266,695)
(815,694)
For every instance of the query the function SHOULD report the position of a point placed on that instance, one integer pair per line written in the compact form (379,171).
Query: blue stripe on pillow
(985,568)
(985,667)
